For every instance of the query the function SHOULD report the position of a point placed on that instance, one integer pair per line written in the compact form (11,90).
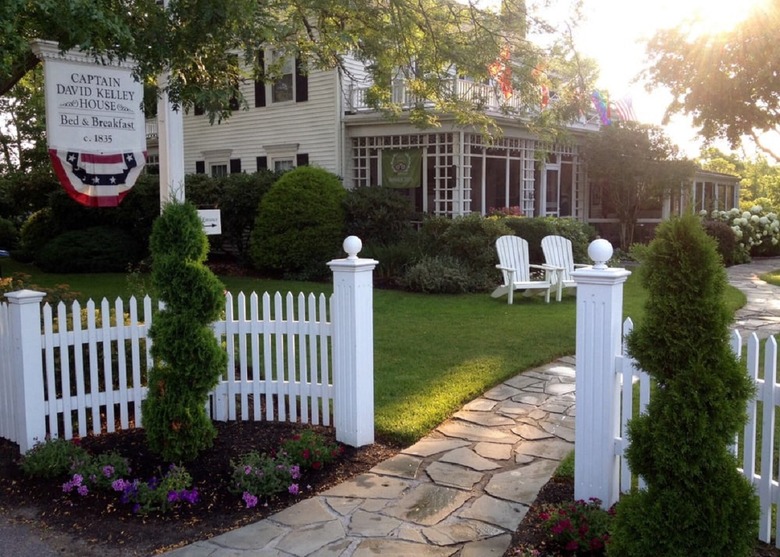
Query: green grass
(432,353)
(772,277)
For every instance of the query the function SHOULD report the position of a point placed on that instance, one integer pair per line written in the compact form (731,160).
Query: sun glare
(716,16)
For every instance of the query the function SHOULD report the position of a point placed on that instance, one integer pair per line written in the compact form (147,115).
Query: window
(152,164)
(283,89)
(290,84)
(219,170)
(280,165)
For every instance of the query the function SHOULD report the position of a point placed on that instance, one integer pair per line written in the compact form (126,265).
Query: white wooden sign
(212,221)
(95,124)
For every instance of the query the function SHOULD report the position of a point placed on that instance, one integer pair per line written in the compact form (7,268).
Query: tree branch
(774,154)
(24,65)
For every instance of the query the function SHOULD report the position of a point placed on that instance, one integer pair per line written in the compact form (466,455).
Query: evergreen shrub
(37,230)
(439,274)
(696,501)
(725,241)
(188,360)
(100,249)
(299,225)
(9,236)
(377,215)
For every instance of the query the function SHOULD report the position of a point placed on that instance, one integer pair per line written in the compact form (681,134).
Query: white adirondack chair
(516,270)
(558,253)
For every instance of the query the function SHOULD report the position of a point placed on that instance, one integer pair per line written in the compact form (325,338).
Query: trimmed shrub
(726,242)
(534,229)
(696,501)
(188,359)
(377,215)
(437,275)
(37,230)
(299,225)
(240,197)
(100,249)
(9,236)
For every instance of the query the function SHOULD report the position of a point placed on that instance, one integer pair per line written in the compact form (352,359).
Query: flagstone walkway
(461,491)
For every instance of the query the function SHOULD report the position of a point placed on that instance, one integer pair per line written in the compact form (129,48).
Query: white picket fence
(76,371)
(607,380)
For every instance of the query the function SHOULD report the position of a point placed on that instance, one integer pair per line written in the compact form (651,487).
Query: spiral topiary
(696,501)
(188,359)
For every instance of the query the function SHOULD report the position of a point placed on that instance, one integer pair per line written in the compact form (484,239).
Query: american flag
(97,180)
(501,71)
(624,108)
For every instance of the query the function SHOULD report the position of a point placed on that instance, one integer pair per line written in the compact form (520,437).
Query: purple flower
(77,479)
(293,489)
(173,496)
(108,471)
(67,487)
(249,499)
(191,496)
(83,490)
(295,471)
(247,469)
(119,485)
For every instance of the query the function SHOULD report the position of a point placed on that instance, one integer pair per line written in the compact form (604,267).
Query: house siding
(313,125)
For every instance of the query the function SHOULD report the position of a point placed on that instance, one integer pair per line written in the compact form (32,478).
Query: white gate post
(26,361)
(353,346)
(599,341)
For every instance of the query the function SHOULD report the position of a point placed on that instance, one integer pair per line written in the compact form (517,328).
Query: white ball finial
(352,245)
(600,251)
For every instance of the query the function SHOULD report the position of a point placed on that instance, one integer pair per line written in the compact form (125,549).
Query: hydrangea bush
(757,231)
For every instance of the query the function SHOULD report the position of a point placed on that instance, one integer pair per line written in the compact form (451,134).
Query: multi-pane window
(283,90)
(219,170)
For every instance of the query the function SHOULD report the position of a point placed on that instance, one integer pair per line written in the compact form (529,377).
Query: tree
(727,81)
(636,165)
(188,358)
(696,501)
(425,42)
(22,124)
(760,183)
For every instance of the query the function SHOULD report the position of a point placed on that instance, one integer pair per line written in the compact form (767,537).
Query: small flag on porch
(601,103)
(501,71)
(624,108)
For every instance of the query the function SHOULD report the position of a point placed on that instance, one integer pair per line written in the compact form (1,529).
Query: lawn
(432,353)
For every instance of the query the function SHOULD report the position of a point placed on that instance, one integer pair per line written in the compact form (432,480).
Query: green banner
(401,168)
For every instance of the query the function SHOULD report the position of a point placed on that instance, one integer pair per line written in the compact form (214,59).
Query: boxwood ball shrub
(299,225)
(188,360)
(696,501)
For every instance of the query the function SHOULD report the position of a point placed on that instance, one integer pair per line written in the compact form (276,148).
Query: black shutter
(260,85)
(262,163)
(302,159)
(235,166)
(200,167)
(199,110)
(301,83)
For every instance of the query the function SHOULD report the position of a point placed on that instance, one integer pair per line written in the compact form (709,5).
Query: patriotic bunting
(97,180)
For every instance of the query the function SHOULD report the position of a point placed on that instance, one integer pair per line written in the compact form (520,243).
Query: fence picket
(65,369)
(279,380)
(242,350)
(256,367)
(749,450)
(78,360)
(121,360)
(267,358)
(51,382)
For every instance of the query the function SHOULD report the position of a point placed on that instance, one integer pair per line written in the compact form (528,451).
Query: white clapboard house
(322,119)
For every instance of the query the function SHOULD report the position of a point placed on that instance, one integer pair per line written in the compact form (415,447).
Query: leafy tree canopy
(727,82)
(636,163)
(197,40)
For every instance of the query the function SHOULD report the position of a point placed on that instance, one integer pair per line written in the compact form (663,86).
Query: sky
(612,32)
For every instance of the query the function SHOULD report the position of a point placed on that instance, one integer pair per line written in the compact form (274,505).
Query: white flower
(734,211)
(703,213)
(763,220)
(746,215)
(754,218)
(756,209)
